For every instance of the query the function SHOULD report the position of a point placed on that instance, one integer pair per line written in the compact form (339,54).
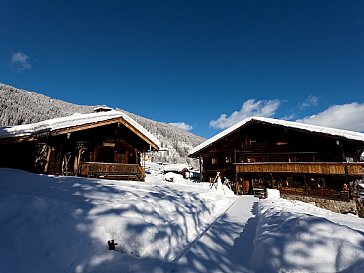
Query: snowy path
(227,245)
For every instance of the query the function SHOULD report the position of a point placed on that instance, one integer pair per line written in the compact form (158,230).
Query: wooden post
(350,192)
(252,184)
(305,183)
(57,160)
(200,161)
(236,173)
(236,178)
(236,187)
(143,156)
(341,146)
(78,160)
(48,158)
(347,180)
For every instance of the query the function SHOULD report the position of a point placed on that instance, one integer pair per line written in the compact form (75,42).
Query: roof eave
(198,150)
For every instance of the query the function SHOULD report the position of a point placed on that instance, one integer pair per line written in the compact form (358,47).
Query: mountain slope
(19,106)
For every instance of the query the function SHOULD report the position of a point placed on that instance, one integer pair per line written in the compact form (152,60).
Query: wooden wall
(263,149)
(113,143)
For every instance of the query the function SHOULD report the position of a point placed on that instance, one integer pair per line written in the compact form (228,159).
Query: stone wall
(333,205)
(360,206)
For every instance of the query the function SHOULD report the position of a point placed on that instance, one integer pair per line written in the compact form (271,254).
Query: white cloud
(289,117)
(182,125)
(346,116)
(262,108)
(310,101)
(19,61)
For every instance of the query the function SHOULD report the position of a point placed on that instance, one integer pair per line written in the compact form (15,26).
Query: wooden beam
(21,139)
(82,127)
(48,158)
(103,123)
(138,133)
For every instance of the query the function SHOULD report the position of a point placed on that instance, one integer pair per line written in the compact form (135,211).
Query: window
(227,159)
(281,143)
(214,160)
(251,160)
(248,141)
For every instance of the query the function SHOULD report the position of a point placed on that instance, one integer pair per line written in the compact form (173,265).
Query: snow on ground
(62,224)
(293,236)
(227,245)
(277,235)
(173,177)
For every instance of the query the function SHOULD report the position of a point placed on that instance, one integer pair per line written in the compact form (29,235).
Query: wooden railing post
(201,171)
(306,186)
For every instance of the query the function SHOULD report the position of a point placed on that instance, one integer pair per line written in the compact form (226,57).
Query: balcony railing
(112,171)
(338,168)
(322,193)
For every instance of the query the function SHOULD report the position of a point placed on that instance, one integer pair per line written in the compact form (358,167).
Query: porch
(117,171)
(328,180)
(343,195)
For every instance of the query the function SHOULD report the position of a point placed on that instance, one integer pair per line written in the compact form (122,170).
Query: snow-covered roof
(72,121)
(102,109)
(296,125)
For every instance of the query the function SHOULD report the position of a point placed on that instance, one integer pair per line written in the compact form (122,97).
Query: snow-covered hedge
(173,177)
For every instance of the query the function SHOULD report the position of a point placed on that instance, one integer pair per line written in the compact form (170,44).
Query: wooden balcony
(321,193)
(115,171)
(336,168)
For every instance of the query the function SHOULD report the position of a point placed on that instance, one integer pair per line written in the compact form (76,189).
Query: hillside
(19,106)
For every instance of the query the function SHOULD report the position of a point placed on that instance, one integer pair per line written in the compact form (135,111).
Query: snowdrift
(293,236)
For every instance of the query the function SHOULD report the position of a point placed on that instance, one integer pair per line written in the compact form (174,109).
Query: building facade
(295,158)
(104,144)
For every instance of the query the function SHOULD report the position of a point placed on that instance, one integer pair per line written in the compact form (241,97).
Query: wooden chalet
(295,158)
(104,144)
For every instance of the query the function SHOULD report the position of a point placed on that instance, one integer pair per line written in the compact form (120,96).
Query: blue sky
(204,64)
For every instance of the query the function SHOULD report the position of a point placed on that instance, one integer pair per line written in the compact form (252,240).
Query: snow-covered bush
(173,177)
